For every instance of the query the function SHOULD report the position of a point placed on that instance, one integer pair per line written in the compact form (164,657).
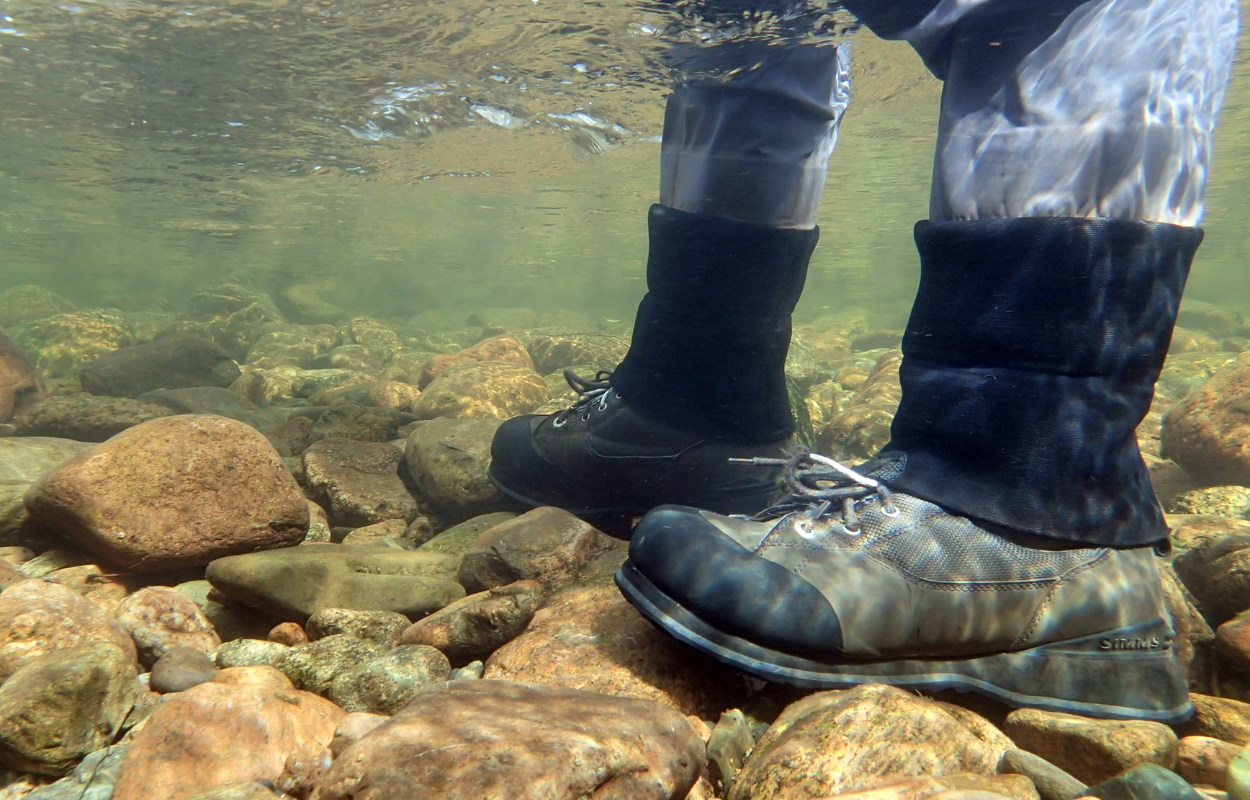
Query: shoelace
(814,483)
(594,392)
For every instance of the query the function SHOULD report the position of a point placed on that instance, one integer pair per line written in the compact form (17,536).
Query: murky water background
(405,156)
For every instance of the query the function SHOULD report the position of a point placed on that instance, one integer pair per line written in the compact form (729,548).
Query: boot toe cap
(730,587)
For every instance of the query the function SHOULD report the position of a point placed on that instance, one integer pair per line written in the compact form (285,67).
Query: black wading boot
(703,382)
(1003,542)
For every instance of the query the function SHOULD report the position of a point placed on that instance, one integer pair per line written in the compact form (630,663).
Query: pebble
(288,633)
(727,749)
(469,672)
(179,669)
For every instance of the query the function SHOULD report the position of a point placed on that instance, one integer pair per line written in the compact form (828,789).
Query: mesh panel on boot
(926,543)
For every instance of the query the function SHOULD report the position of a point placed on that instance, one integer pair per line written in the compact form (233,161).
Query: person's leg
(1003,540)
(742,168)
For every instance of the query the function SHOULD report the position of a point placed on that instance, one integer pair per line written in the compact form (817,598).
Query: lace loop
(592,391)
(814,483)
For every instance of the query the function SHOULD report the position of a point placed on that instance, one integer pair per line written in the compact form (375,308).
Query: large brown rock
(174,492)
(160,619)
(1092,750)
(836,742)
(448,459)
(1201,759)
(491,389)
(548,545)
(359,481)
(217,734)
(174,362)
(494,740)
(593,639)
(1207,432)
(38,618)
(84,417)
(473,627)
(64,705)
(20,386)
(503,349)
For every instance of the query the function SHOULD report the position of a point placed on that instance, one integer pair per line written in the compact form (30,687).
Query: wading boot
(703,382)
(742,167)
(1004,541)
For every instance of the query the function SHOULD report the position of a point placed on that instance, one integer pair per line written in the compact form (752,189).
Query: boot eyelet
(586,417)
(558,423)
(856,531)
(805,529)
(891,511)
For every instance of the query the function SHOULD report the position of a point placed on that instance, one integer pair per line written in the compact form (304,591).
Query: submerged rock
(314,666)
(593,639)
(63,705)
(295,582)
(559,351)
(1092,750)
(385,684)
(459,539)
(180,668)
(481,740)
(20,386)
(380,627)
(218,734)
(359,480)
(835,742)
(37,618)
(489,389)
(27,303)
(1146,782)
(475,626)
(863,427)
(92,779)
(173,492)
(379,339)
(1206,433)
(350,421)
(175,362)
(60,345)
(84,417)
(1220,501)
(23,461)
(161,619)
(448,460)
(1201,759)
(202,400)
(548,545)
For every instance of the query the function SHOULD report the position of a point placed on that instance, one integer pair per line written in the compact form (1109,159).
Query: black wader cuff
(1029,360)
(710,339)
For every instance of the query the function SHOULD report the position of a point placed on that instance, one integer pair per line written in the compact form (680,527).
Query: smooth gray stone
(1052,782)
(202,400)
(92,779)
(1145,782)
(727,748)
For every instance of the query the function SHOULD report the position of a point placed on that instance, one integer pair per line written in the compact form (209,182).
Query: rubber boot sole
(1096,676)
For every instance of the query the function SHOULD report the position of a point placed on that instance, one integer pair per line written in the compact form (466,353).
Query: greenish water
(404,156)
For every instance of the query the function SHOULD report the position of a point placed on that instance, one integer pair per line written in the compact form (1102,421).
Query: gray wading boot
(1004,541)
(742,167)
(703,382)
